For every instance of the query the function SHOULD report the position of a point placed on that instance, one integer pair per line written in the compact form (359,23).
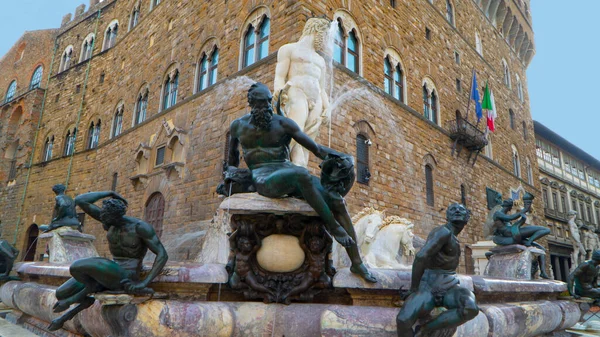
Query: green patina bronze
(128,240)
(265,139)
(64,211)
(435,283)
(583,281)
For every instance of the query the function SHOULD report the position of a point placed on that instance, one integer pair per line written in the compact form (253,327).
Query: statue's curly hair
(259,91)
(114,207)
(59,188)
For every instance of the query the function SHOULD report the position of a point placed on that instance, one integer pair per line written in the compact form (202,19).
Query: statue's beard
(261,117)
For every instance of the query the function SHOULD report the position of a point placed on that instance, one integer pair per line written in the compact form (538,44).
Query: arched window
(339,47)
(170,89)
(30,244)
(256,42)
(36,78)
(213,70)
(110,36)
(511,118)
(430,103)
(117,127)
(489,151)
(208,70)
(141,107)
(65,60)
(70,143)
(135,17)
(463,195)
(478,45)
(10,92)
(155,209)
(346,49)
(520,89)
(87,48)
(516,162)
(154,3)
(450,12)
(394,78)
(94,134)
(363,175)
(393,3)
(353,56)
(48,146)
(506,73)
(525,135)
(429,185)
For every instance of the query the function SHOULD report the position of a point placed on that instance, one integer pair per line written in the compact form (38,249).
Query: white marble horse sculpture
(380,240)
(382,243)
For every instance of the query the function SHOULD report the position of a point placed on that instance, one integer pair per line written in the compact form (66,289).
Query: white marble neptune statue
(300,78)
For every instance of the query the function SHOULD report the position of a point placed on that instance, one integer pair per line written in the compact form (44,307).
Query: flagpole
(470,94)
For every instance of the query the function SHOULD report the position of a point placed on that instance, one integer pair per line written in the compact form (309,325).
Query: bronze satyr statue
(64,211)
(128,240)
(583,281)
(506,233)
(265,139)
(8,255)
(435,284)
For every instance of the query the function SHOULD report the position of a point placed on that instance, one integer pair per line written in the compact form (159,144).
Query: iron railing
(466,134)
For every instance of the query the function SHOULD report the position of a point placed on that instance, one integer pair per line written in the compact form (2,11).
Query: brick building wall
(175,34)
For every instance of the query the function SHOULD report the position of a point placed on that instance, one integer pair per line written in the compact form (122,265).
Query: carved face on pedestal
(315,244)
(244,245)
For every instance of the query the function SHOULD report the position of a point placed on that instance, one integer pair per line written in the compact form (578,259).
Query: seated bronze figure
(128,240)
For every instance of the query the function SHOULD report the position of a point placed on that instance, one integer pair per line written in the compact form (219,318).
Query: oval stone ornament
(280,253)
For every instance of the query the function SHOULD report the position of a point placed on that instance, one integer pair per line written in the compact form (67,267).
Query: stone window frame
(134,17)
(154,4)
(117,122)
(516,161)
(451,13)
(511,119)
(65,59)
(529,170)
(11,91)
(349,26)
(36,77)
(69,142)
(431,101)
(142,96)
(478,44)
(506,74)
(87,47)
(365,129)
(429,167)
(519,88)
(170,83)
(207,54)
(253,25)
(393,57)
(93,139)
(48,148)
(110,35)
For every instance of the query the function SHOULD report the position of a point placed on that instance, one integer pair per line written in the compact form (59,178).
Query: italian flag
(489,106)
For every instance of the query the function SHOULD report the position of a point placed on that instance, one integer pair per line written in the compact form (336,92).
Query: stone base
(512,262)
(67,245)
(478,252)
(279,248)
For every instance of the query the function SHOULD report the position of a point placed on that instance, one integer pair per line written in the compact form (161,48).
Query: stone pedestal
(279,248)
(478,252)
(513,262)
(67,245)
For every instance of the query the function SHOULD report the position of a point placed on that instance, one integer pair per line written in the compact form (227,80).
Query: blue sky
(561,78)
(565,70)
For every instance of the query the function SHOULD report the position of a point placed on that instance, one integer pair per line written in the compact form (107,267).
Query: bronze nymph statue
(64,211)
(128,241)
(435,283)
